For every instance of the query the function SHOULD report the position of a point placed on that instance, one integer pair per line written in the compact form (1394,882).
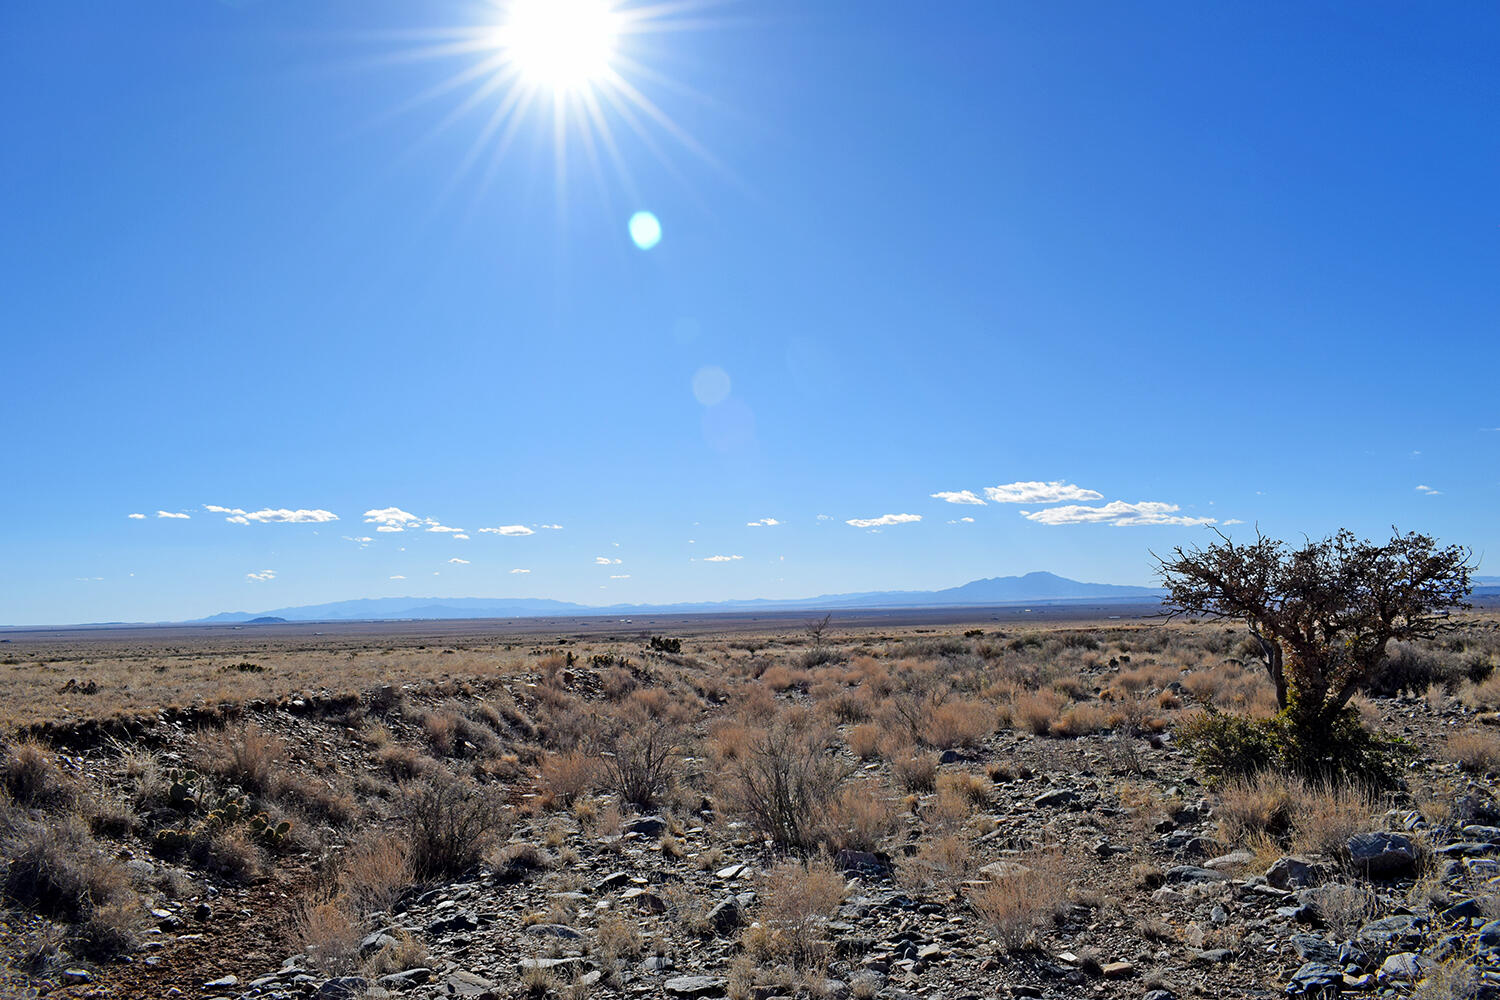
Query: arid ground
(937,804)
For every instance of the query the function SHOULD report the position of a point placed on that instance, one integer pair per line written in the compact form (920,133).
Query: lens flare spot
(645,230)
(711,385)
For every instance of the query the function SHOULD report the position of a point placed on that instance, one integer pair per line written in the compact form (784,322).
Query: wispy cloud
(1232,522)
(175,517)
(391,519)
(765,522)
(958,496)
(520,571)
(398,576)
(884,520)
(508,529)
(272,515)
(443,529)
(962,520)
(263,575)
(619,576)
(459,562)
(136,517)
(721,558)
(461,538)
(1428,491)
(361,539)
(1116,512)
(605,561)
(1039,492)
(825,517)
(550,527)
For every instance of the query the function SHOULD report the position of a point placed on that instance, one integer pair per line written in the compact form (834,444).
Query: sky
(311,300)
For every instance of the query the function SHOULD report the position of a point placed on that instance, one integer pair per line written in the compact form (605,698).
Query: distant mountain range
(1033,587)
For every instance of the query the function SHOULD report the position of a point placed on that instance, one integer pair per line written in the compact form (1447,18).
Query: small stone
(649,827)
(695,986)
(77,977)
(1118,970)
(1383,855)
(222,983)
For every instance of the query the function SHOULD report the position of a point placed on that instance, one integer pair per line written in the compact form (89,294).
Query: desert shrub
(637,754)
(32,778)
(109,930)
(1413,667)
(403,763)
(1226,745)
(1017,904)
(916,772)
(785,782)
(664,644)
(958,723)
(941,865)
(796,897)
(450,824)
(228,853)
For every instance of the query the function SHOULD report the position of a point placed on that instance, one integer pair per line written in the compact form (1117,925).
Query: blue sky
(1228,261)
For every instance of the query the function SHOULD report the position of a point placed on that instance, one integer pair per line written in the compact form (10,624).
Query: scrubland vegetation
(846,813)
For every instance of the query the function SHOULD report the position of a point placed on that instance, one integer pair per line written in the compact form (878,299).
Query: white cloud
(722,558)
(765,522)
(508,529)
(619,576)
(1233,521)
(361,539)
(520,571)
(883,520)
(443,529)
(136,517)
(460,538)
(459,562)
(958,496)
(270,515)
(1116,512)
(1038,492)
(391,519)
(398,576)
(550,527)
(605,561)
(263,575)
(168,513)
(1428,491)
(825,517)
(962,520)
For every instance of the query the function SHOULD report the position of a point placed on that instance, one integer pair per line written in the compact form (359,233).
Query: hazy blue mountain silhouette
(996,590)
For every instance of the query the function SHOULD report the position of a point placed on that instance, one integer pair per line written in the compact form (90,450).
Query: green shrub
(1228,746)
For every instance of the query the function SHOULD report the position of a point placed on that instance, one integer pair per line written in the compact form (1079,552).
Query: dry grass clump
(796,899)
(1036,711)
(1474,751)
(916,772)
(1018,904)
(958,723)
(1317,818)
(33,778)
(329,935)
(565,777)
(1080,719)
(56,869)
(942,864)
(862,818)
(246,757)
(864,741)
(374,871)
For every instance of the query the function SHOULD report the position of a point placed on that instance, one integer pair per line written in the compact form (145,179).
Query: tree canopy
(1323,613)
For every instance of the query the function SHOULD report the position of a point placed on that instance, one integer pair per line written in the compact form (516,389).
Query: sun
(564,45)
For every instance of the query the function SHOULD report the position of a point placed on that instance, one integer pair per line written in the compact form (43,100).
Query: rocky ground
(1150,891)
